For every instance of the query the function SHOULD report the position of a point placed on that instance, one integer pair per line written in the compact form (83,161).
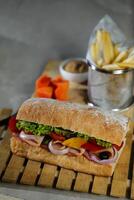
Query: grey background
(34,31)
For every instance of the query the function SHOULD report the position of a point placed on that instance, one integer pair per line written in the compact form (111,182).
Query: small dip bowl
(74,69)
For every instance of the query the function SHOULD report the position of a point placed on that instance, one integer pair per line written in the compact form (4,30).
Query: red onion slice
(57,148)
(31,139)
(93,157)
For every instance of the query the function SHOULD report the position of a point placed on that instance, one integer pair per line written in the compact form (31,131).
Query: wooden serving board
(19,170)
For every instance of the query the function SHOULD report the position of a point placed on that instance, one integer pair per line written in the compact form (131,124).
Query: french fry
(98,53)
(106,53)
(105,47)
(118,66)
(129,59)
(99,38)
(126,65)
(93,52)
(111,67)
(99,45)
(122,56)
(116,50)
(110,46)
(100,62)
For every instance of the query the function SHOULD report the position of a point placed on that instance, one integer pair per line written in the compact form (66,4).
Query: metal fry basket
(111,90)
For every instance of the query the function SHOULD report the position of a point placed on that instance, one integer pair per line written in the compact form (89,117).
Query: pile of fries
(107,55)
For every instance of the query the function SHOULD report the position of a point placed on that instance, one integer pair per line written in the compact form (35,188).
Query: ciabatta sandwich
(69,135)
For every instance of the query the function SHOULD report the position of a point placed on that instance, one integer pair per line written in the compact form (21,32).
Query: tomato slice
(92,147)
(12,124)
(118,147)
(55,136)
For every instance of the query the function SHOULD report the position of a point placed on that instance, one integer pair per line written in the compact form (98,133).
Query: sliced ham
(76,152)
(33,140)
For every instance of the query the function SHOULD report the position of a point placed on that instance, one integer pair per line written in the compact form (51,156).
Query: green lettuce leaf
(43,130)
(36,129)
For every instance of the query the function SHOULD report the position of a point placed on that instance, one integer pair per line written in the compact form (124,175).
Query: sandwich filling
(65,142)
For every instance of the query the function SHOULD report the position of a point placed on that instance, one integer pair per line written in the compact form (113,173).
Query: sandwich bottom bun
(79,163)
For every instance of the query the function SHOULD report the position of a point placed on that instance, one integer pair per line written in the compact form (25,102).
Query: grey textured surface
(7,197)
(38,193)
(34,31)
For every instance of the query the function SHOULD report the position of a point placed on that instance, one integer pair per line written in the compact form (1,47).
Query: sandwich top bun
(79,118)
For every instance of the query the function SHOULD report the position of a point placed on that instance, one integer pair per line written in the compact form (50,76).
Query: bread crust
(80,164)
(80,118)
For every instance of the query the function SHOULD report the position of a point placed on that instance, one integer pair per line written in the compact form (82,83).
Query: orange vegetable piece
(48,88)
(74,142)
(42,81)
(44,92)
(61,92)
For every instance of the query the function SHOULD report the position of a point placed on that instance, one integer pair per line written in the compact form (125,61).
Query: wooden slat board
(83,178)
(132,184)
(14,168)
(48,175)
(100,185)
(31,171)
(65,179)
(19,170)
(5,113)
